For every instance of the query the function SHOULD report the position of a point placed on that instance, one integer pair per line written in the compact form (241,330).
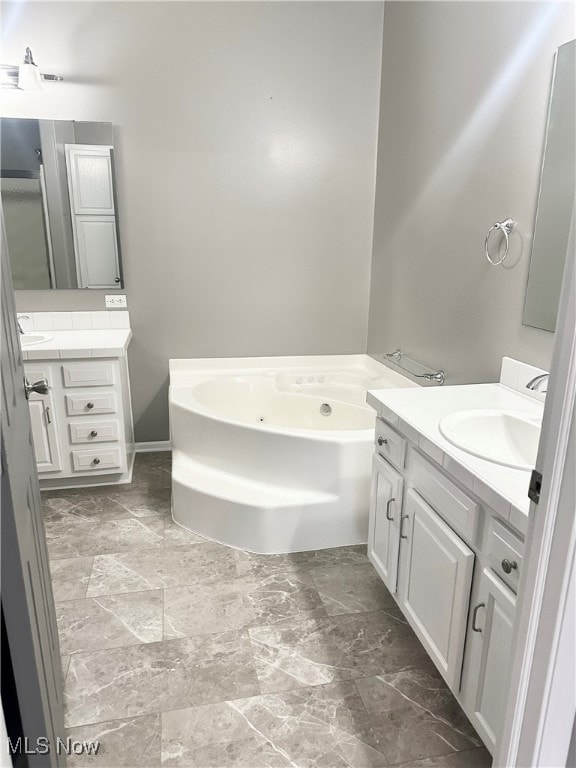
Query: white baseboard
(158,445)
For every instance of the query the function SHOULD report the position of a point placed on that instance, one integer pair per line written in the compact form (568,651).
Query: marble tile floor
(177,651)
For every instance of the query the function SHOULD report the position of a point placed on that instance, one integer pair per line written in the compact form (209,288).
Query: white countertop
(417,412)
(79,344)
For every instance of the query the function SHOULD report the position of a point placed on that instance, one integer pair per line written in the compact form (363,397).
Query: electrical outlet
(116,301)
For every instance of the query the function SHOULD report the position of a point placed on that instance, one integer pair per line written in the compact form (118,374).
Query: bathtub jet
(274,454)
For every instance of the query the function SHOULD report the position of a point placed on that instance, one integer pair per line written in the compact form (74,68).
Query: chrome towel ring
(506,228)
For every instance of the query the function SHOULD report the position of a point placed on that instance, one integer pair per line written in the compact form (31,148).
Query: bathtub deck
(182,652)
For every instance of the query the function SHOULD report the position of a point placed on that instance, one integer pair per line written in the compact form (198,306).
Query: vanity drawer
(94,431)
(505,551)
(95,460)
(82,405)
(389,444)
(88,374)
(457,509)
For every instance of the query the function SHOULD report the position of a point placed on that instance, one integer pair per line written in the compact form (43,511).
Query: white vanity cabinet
(453,568)
(82,429)
(489,649)
(42,418)
(384,529)
(434,586)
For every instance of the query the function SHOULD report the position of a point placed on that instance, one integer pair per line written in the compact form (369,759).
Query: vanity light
(27,76)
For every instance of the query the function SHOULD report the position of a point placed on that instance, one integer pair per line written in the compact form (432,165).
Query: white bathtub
(274,454)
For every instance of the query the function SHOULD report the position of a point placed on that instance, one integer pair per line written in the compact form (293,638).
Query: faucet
(534,384)
(22,317)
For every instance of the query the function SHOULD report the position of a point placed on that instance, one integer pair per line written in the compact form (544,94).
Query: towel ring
(506,228)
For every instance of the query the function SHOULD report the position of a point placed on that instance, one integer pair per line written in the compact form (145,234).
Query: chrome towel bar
(417,370)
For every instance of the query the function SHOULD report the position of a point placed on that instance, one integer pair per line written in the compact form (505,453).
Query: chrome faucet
(534,384)
(22,317)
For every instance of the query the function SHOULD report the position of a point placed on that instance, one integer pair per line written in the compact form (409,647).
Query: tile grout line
(111,594)
(156,548)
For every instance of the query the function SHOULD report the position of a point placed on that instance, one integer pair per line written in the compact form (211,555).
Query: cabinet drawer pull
(96,460)
(403,517)
(93,433)
(474,615)
(382,441)
(89,406)
(509,565)
(388,505)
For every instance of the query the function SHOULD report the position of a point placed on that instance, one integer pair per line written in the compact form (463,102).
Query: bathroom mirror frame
(556,196)
(60,204)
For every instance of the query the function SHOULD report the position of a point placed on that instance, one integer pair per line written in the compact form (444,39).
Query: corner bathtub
(274,454)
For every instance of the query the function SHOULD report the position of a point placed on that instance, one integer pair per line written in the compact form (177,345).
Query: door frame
(541,706)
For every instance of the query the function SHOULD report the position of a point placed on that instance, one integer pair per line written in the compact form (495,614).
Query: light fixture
(27,76)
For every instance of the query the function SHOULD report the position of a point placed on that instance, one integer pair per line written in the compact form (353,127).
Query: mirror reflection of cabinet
(91,190)
(53,173)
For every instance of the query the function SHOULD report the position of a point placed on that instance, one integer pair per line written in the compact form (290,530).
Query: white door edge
(541,706)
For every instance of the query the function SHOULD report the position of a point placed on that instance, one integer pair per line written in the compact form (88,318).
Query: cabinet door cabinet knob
(382,441)
(93,433)
(509,565)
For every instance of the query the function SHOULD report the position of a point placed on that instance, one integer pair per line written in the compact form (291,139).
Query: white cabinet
(42,417)
(454,506)
(385,512)
(426,563)
(96,431)
(83,428)
(99,458)
(91,190)
(390,445)
(451,566)
(90,403)
(90,179)
(435,583)
(97,252)
(489,646)
(93,374)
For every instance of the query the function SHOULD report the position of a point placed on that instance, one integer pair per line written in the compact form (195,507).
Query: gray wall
(464,97)
(246,137)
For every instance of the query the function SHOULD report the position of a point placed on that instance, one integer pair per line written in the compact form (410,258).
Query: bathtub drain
(325,409)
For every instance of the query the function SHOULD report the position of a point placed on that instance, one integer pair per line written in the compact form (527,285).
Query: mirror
(59,203)
(556,197)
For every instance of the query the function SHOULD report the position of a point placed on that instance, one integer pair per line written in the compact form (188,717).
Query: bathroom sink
(29,339)
(509,438)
